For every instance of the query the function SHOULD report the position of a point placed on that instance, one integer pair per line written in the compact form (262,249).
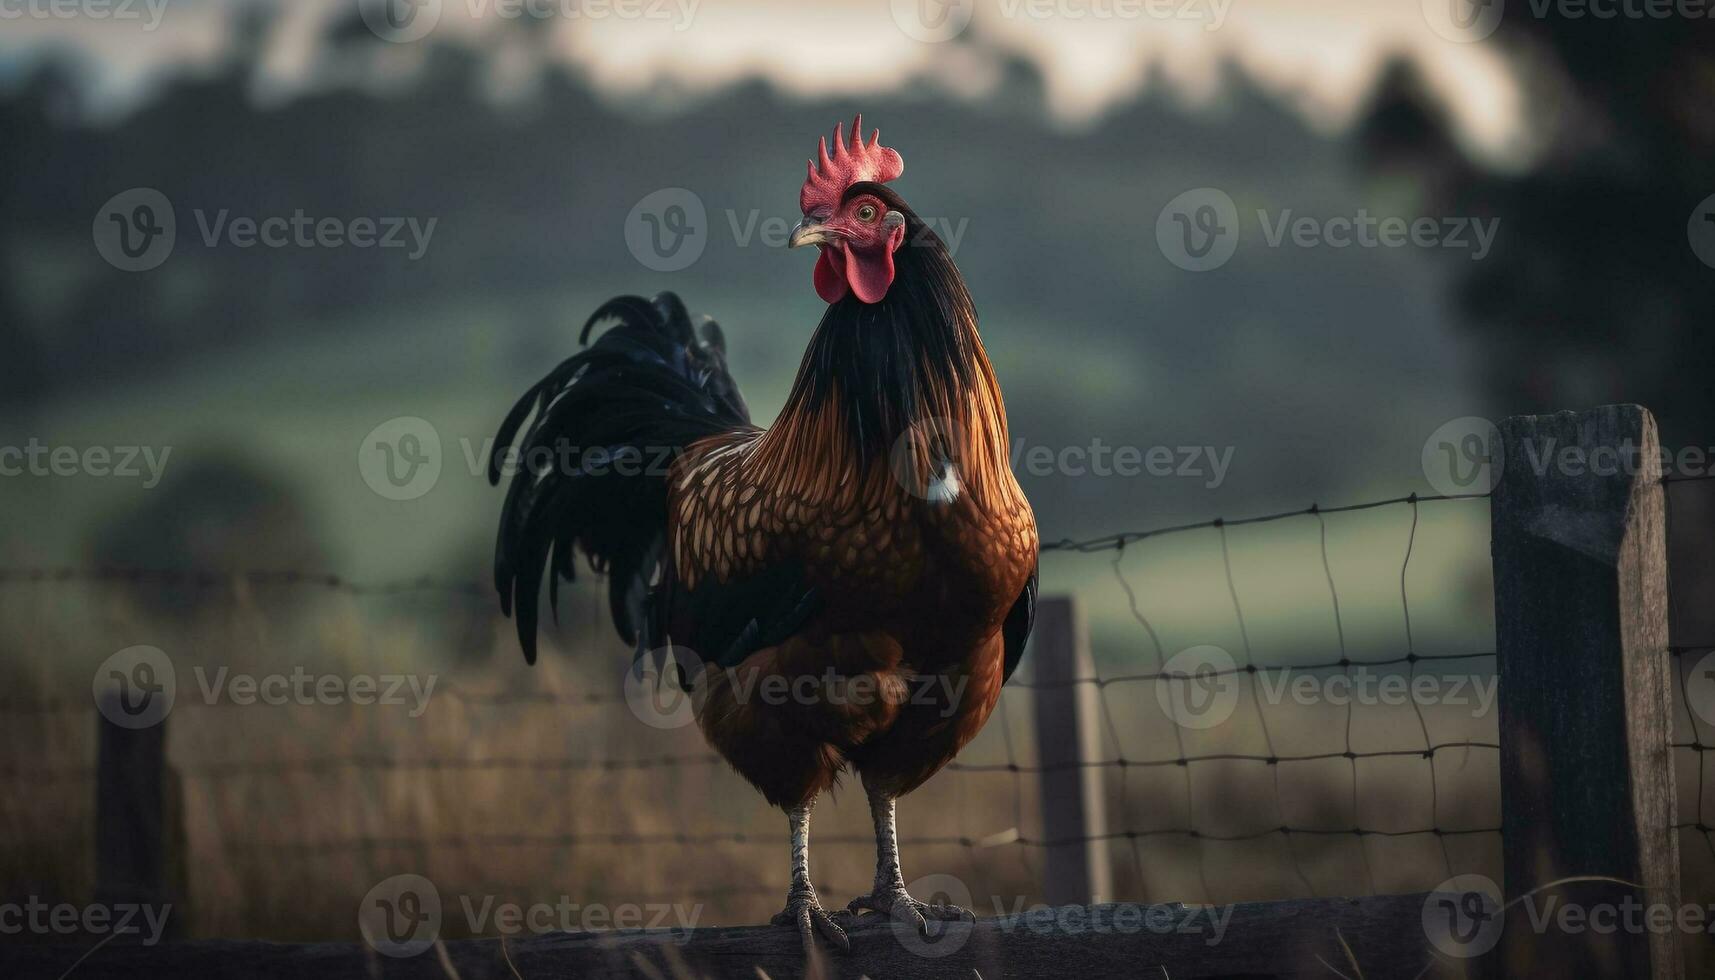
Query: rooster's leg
(802,909)
(890,895)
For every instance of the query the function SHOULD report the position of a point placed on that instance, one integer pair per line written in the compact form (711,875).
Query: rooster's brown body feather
(902,660)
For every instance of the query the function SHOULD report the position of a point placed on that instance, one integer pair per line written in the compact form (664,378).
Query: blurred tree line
(1593,294)
(1590,295)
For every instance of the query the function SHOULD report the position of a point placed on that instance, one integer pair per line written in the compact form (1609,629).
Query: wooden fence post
(1068,738)
(132,819)
(1587,785)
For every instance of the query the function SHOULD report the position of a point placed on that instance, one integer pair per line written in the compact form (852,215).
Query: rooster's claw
(898,904)
(803,911)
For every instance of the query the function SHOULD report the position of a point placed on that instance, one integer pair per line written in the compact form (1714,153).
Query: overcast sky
(1320,57)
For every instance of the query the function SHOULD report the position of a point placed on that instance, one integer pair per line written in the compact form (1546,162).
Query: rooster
(870,550)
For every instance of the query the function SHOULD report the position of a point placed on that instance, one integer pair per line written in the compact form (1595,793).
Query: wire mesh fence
(1244,679)
(1690,502)
(1234,766)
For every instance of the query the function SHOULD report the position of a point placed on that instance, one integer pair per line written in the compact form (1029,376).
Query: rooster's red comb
(831,174)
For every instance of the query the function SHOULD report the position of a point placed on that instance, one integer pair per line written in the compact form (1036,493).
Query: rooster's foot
(898,904)
(803,911)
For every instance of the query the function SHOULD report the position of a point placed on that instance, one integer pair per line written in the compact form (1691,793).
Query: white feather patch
(945,488)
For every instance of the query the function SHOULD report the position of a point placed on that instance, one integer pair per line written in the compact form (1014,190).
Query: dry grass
(249,859)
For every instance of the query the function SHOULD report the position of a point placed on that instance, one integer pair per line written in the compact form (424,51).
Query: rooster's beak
(808,232)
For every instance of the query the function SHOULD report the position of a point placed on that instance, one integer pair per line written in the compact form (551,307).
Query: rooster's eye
(866,213)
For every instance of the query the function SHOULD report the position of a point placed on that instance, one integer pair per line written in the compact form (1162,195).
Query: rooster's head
(855,229)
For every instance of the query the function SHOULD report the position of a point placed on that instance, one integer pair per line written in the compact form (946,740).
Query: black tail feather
(592,464)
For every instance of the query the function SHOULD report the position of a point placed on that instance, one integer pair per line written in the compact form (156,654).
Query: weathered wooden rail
(1376,937)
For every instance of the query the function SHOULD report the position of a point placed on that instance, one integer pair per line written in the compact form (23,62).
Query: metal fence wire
(1194,817)
(1694,707)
